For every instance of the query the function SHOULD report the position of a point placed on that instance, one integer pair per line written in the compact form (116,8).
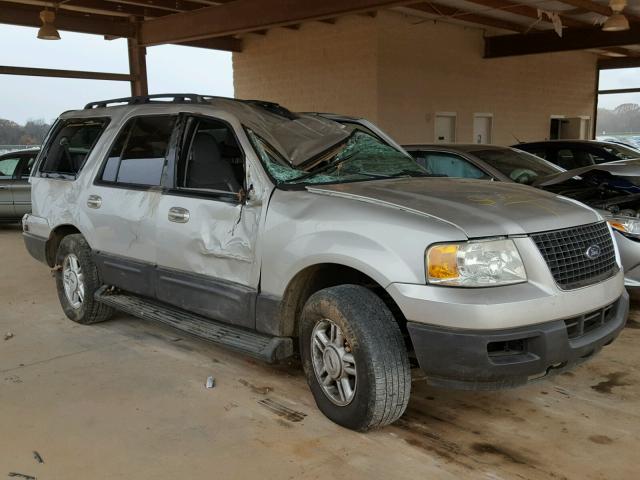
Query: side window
(564,159)
(596,158)
(8,167)
(211,159)
(448,165)
(138,154)
(538,152)
(581,158)
(70,145)
(27,166)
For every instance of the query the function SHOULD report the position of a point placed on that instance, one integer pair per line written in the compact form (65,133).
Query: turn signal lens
(442,262)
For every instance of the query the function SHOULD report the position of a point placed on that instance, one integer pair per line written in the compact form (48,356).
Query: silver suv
(257,228)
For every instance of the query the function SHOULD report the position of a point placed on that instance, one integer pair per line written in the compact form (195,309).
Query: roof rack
(164,98)
(156,98)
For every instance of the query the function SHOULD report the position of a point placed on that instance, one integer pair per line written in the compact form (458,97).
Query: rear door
(21,188)
(123,200)
(8,166)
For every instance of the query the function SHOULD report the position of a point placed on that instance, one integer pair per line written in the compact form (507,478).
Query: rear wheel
(354,357)
(77,280)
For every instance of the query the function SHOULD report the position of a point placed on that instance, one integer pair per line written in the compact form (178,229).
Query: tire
(88,310)
(382,383)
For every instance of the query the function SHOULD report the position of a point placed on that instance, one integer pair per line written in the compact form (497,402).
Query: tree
(625,118)
(31,133)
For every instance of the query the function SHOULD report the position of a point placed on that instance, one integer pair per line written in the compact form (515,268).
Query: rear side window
(70,144)
(138,155)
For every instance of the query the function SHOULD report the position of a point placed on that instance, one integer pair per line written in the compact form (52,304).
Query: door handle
(178,215)
(94,201)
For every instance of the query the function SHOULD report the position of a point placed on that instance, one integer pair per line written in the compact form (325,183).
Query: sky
(170,68)
(619,78)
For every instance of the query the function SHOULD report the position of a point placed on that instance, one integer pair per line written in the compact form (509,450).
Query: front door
(207,232)
(8,166)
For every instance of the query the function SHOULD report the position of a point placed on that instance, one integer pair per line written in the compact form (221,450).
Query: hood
(621,168)
(479,208)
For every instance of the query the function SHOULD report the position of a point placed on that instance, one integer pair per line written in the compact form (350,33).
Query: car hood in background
(480,208)
(621,168)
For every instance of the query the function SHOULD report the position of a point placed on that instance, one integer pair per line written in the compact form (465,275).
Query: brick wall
(399,70)
(321,67)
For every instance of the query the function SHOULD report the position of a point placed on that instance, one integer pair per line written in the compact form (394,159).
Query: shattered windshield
(361,156)
(519,166)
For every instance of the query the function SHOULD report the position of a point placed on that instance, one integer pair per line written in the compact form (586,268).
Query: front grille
(565,252)
(583,324)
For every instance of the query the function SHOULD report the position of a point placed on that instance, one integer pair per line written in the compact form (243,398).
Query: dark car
(15,191)
(609,188)
(570,154)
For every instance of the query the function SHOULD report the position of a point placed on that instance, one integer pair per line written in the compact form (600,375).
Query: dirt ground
(126,399)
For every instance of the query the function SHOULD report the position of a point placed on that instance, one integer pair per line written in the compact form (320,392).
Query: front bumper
(495,359)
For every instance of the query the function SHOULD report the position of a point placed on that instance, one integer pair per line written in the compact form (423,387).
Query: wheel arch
(319,276)
(55,237)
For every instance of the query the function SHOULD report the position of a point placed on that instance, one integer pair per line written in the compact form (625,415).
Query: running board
(263,347)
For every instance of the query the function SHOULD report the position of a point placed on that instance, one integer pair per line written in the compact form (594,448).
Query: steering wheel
(523,175)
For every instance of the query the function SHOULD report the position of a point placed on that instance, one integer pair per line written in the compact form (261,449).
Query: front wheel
(354,357)
(77,280)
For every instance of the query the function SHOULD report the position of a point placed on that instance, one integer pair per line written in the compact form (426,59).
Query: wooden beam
(111,27)
(549,41)
(137,68)
(611,63)
(50,72)
(600,9)
(174,6)
(525,11)
(434,8)
(108,8)
(242,16)
(29,17)
(530,12)
(228,44)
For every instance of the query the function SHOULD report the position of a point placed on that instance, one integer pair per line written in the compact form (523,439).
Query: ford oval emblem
(593,252)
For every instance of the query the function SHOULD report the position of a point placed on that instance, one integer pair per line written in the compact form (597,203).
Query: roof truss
(220,24)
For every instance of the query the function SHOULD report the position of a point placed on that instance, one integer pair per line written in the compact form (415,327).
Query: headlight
(475,264)
(628,225)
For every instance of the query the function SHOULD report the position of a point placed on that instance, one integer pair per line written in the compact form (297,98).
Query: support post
(137,68)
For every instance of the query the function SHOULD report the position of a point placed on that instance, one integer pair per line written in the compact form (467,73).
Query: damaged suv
(252,226)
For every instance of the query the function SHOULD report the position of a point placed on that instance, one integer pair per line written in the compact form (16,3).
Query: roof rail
(164,98)
(156,98)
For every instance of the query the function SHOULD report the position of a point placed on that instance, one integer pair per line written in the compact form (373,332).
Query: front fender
(304,229)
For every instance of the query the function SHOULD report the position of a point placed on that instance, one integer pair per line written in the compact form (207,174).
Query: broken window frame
(52,135)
